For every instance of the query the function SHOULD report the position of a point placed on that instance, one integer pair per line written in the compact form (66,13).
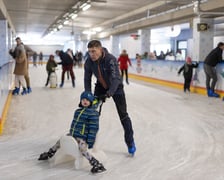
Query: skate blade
(99,172)
(131,154)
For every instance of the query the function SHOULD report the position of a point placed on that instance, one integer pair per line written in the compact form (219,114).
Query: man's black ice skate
(132,149)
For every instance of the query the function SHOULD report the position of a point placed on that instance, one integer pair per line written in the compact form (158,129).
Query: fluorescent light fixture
(66,14)
(83,5)
(89,32)
(97,29)
(60,26)
(66,22)
(74,16)
(86,7)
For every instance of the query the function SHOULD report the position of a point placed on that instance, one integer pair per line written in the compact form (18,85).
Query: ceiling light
(97,29)
(60,26)
(83,5)
(86,7)
(89,32)
(66,22)
(74,16)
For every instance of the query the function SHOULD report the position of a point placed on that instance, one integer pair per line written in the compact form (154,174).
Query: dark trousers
(126,74)
(210,73)
(48,77)
(121,106)
(67,68)
(187,83)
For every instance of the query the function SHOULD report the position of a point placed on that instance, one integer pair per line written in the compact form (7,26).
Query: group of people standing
(210,63)
(68,60)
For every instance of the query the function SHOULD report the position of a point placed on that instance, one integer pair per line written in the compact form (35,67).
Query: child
(187,69)
(50,67)
(84,128)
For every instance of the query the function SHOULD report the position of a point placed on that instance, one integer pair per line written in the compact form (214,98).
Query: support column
(114,40)
(4,42)
(202,40)
(144,40)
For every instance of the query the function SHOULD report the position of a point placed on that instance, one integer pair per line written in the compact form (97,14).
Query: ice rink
(178,136)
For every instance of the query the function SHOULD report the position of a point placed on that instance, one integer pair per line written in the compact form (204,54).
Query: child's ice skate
(47,155)
(97,167)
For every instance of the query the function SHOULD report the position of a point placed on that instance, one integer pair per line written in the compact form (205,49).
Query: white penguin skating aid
(53,80)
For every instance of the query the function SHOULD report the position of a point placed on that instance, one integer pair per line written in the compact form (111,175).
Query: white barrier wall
(167,71)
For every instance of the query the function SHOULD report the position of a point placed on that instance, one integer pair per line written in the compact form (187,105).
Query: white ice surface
(178,136)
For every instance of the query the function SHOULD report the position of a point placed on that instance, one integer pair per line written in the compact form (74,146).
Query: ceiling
(32,19)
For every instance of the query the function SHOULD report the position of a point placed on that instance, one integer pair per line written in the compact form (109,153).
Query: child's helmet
(87,95)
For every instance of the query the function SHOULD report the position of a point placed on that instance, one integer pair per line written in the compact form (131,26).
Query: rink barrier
(5,112)
(165,73)
(194,89)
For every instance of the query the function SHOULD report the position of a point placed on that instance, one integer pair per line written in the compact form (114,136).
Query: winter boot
(97,167)
(29,90)
(24,91)
(132,149)
(15,91)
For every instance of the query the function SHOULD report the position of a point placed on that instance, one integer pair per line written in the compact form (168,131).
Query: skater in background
(19,54)
(123,61)
(41,58)
(104,67)
(212,59)
(84,127)
(50,67)
(29,53)
(67,65)
(35,59)
(187,69)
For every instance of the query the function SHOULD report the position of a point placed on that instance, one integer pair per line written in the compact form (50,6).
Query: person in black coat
(187,69)
(67,65)
(212,59)
(104,66)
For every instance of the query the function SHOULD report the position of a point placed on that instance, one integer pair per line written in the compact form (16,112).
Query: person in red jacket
(123,61)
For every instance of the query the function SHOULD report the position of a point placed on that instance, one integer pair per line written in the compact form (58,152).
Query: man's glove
(102,97)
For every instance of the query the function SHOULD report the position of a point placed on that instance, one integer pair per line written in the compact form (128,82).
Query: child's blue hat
(87,95)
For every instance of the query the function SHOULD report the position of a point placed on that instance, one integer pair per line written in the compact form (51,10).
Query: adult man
(212,59)
(105,68)
(67,65)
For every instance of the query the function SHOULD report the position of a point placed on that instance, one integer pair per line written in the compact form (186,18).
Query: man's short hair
(94,43)
(220,44)
(18,38)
